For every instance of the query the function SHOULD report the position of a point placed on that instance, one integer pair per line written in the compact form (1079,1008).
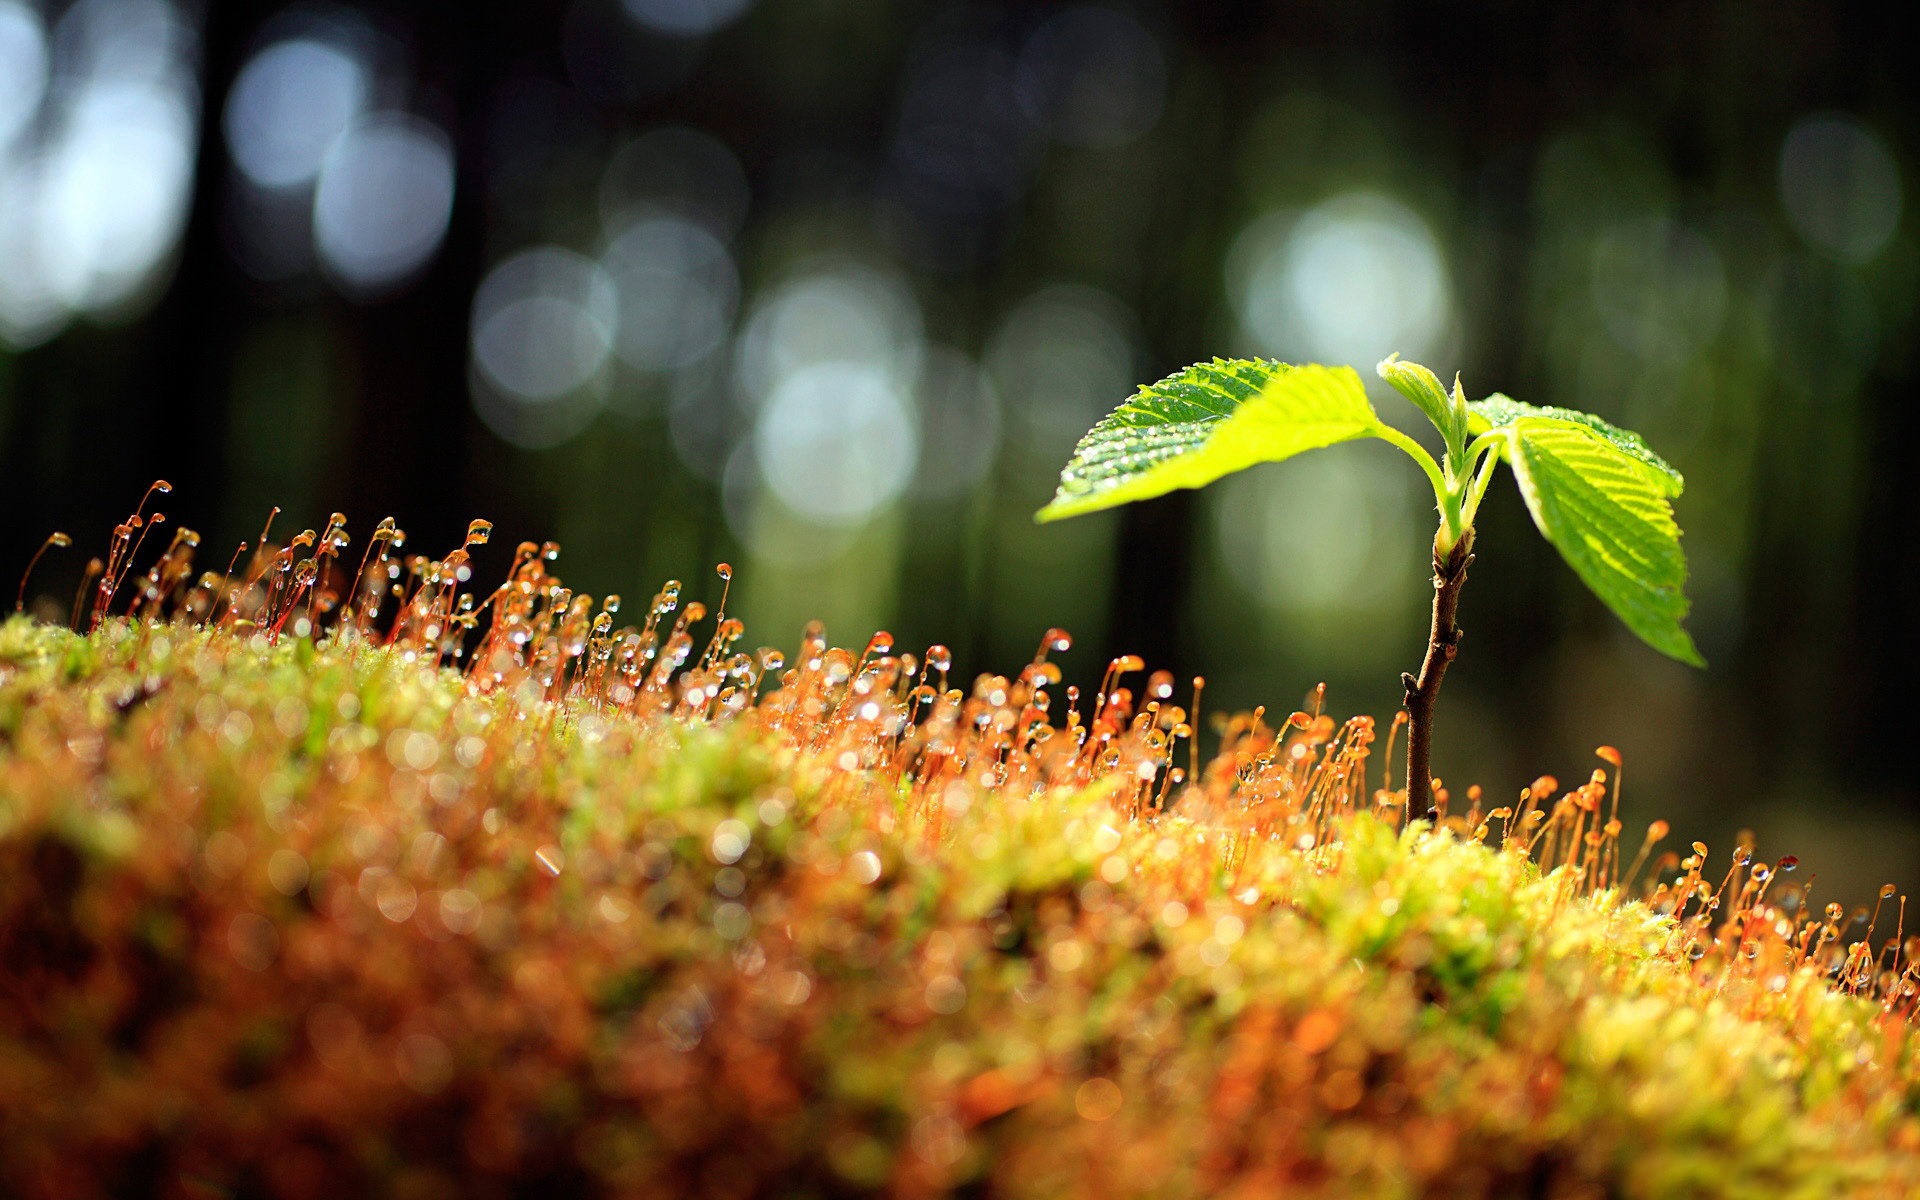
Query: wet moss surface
(285,919)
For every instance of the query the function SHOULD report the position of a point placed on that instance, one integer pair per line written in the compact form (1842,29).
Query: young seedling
(1597,492)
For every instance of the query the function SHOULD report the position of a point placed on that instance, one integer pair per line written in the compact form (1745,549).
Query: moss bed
(292,918)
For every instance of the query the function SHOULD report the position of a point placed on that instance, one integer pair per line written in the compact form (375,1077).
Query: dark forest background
(828,288)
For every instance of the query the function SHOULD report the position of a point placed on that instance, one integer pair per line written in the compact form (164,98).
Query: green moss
(287,920)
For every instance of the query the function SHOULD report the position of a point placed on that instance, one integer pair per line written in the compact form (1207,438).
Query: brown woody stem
(1449,575)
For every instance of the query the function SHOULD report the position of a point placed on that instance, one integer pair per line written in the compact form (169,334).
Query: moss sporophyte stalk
(327,879)
(1598,493)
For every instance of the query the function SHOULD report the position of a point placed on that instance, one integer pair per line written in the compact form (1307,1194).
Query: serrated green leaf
(1423,388)
(1609,517)
(1498,412)
(1210,420)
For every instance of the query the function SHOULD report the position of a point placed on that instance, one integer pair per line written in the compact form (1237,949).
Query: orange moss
(316,882)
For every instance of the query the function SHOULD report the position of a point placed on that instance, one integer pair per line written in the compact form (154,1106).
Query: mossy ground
(288,920)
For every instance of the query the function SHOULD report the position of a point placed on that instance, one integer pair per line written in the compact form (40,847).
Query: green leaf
(1609,517)
(1499,412)
(1422,387)
(1210,420)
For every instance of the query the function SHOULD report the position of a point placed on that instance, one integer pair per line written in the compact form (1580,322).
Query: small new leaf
(1423,387)
(1499,412)
(1605,508)
(1206,421)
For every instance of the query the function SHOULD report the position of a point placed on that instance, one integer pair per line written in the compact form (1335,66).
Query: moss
(293,920)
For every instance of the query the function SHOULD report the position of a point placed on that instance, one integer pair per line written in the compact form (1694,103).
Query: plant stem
(1478,489)
(1449,575)
(1441,485)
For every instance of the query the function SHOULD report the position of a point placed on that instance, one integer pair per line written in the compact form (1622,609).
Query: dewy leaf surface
(1498,412)
(1210,420)
(1609,517)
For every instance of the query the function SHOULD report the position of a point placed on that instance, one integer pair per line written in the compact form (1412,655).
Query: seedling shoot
(1597,492)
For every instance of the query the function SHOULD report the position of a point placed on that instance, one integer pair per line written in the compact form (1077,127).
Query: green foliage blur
(828,290)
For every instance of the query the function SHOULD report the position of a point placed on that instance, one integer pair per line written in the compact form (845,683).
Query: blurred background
(829,288)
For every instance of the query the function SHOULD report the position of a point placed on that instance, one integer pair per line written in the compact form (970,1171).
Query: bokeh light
(850,313)
(678,291)
(1324,542)
(383,201)
(23,67)
(289,105)
(677,171)
(125,41)
(543,326)
(825,369)
(686,18)
(1062,357)
(1350,280)
(91,208)
(116,189)
(837,441)
(1840,185)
